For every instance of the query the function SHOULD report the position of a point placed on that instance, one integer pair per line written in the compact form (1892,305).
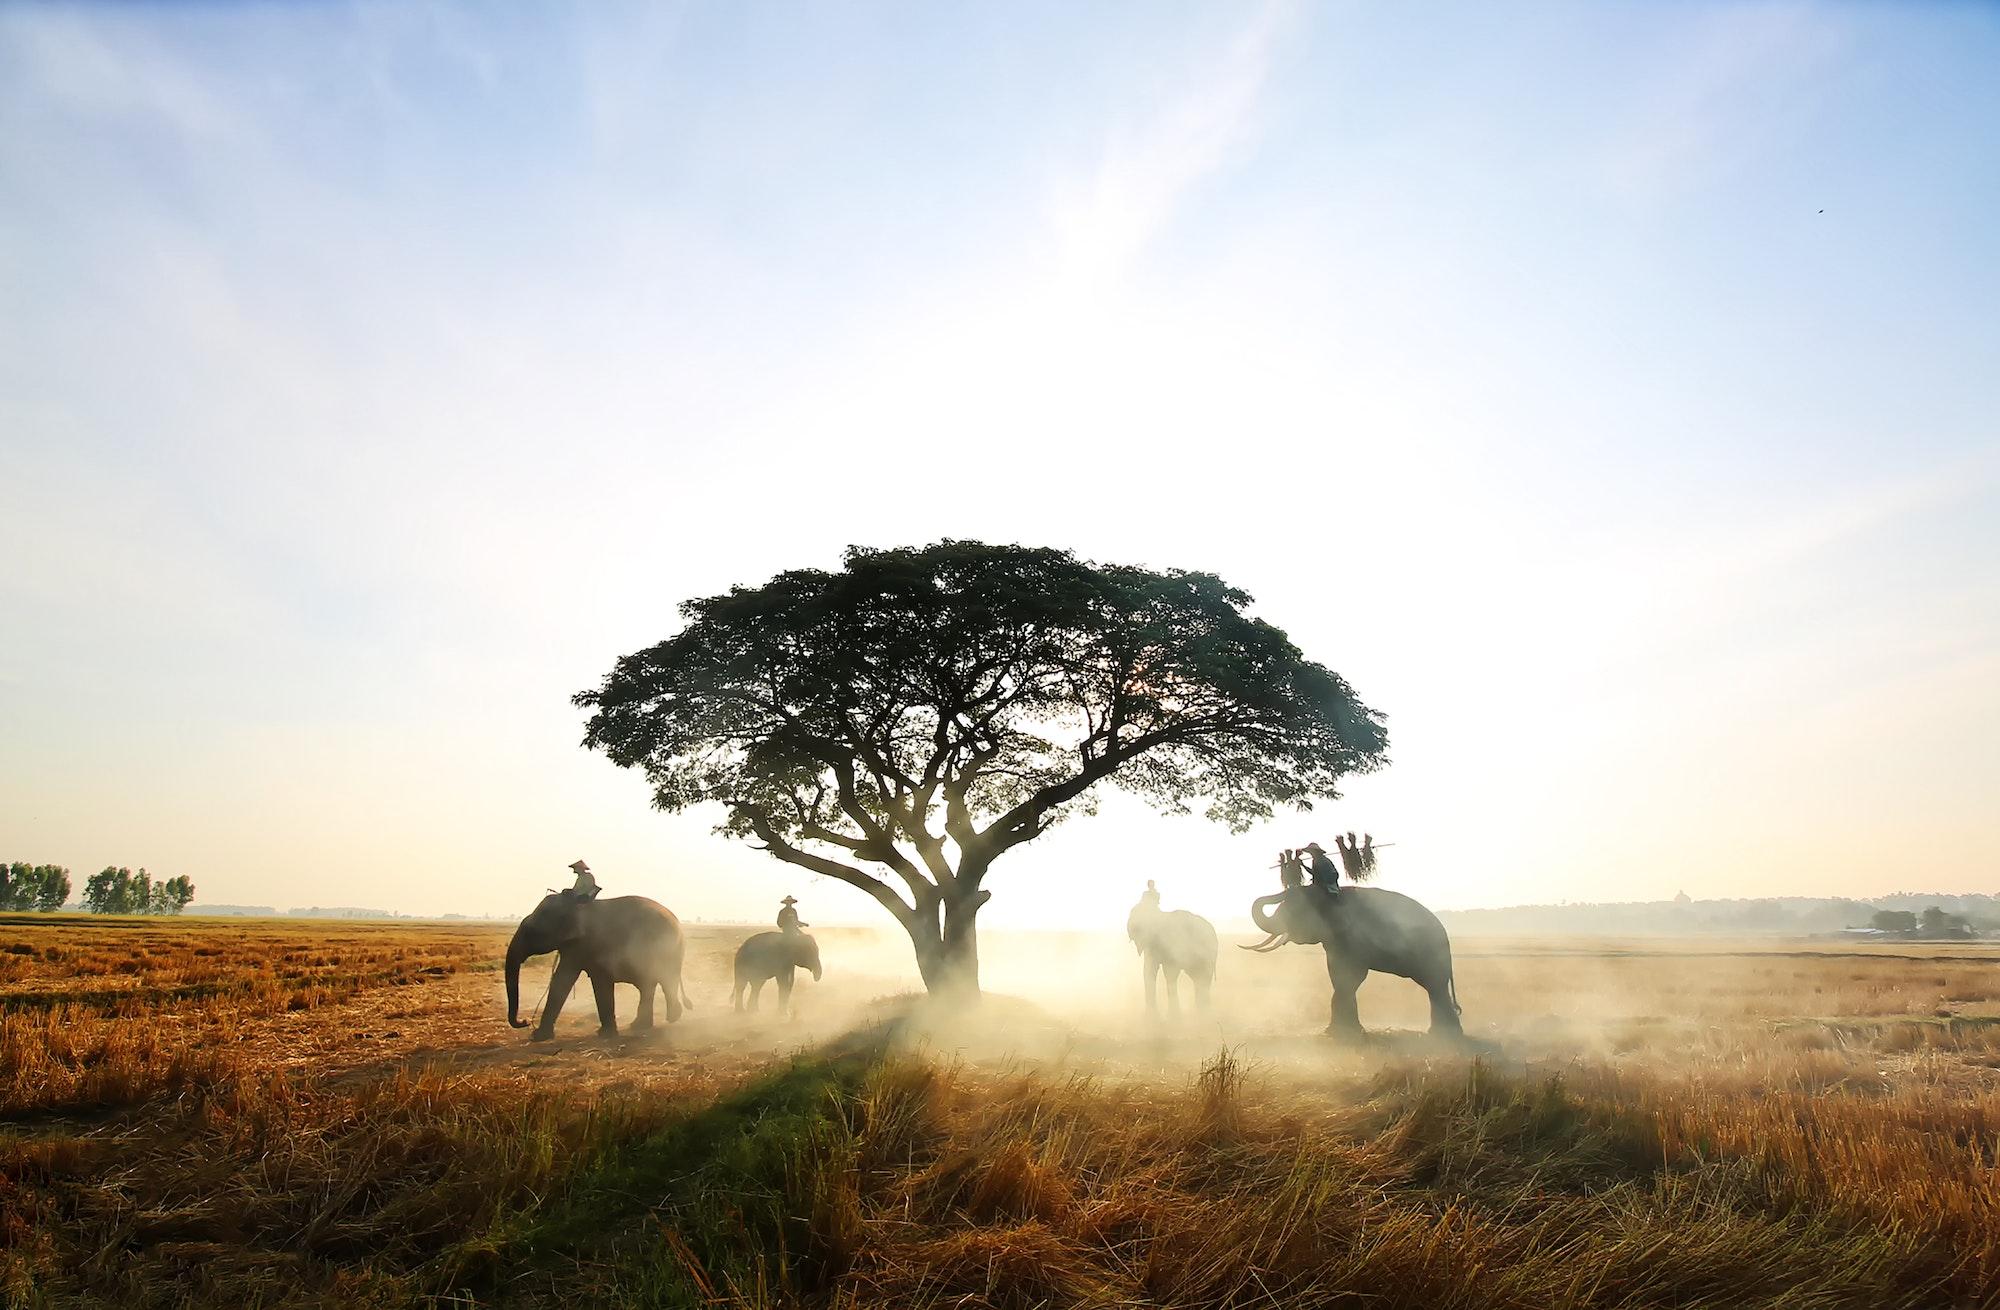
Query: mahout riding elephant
(1363,930)
(1173,942)
(770,955)
(626,939)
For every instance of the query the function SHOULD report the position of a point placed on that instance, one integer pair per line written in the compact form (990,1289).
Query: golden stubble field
(266,1112)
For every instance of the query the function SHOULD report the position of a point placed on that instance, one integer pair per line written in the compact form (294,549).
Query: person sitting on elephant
(788,918)
(1324,874)
(586,886)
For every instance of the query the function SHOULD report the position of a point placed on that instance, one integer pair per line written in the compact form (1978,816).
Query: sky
(1611,393)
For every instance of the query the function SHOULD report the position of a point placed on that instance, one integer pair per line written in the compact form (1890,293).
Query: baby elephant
(771,955)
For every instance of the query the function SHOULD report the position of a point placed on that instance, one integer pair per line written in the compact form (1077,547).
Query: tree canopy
(903,722)
(115,890)
(26,886)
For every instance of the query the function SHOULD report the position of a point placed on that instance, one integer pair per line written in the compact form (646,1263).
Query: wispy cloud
(113,73)
(390,371)
(1148,167)
(1744,79)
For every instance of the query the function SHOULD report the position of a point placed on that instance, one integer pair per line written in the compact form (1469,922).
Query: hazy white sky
(1609,392)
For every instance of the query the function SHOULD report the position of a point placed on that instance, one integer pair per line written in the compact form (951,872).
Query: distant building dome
(1681,898)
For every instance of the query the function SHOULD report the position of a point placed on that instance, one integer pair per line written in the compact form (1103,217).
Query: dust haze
(1073,1000)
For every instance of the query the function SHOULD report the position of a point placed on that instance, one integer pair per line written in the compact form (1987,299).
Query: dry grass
(1426,1183)
(296,1113)
(97,1014)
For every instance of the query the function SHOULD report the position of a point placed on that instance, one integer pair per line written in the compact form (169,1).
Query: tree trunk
(948,955)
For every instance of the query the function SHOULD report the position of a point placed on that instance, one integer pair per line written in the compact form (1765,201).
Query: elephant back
(1385,929)
(759,946)
(1193,935)
(644,909)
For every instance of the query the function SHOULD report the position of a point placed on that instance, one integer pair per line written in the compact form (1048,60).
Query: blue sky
(1607,391)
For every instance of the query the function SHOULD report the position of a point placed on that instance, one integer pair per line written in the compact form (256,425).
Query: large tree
(903,723)
(33,886)
(116,890)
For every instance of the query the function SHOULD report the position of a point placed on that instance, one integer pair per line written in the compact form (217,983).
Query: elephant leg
(670,993)
(559,988)
(645,1019)
(785,992)
(1444,1010)
(1346,1019)
(756,990)
(1173,992)
(607,1004)
(1150,971)
(736,994)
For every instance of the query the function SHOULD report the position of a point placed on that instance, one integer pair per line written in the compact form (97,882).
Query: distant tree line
(120,891)
(1933,922)
(33,886)
(1941,914)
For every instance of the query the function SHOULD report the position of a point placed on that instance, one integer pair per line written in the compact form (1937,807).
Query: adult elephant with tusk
(1363,930)
(626,939)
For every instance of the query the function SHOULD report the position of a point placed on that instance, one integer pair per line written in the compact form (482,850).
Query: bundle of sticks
(1357,859)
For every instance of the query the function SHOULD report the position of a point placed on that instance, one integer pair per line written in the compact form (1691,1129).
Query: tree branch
(1023,822)
(767,832)
(881,844)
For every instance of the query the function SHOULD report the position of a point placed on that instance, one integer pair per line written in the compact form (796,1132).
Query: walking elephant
(1173,942)
(1364,930)
(626,939)
(770,955)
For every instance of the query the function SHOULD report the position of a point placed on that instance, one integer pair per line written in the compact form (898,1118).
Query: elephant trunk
(1267,923)
(517,951)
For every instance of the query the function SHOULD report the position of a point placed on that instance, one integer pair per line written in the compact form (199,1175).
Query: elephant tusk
(1270,943)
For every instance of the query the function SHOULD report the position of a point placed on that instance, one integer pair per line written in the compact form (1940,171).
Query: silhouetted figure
(1324,875)
(788,918)
(586,886)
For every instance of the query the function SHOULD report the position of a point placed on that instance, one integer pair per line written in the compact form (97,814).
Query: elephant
(626,939)
(1175,942)
(1364,930)
(771,955)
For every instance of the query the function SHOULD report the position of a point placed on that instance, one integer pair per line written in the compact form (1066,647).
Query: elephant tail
(1451,986)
